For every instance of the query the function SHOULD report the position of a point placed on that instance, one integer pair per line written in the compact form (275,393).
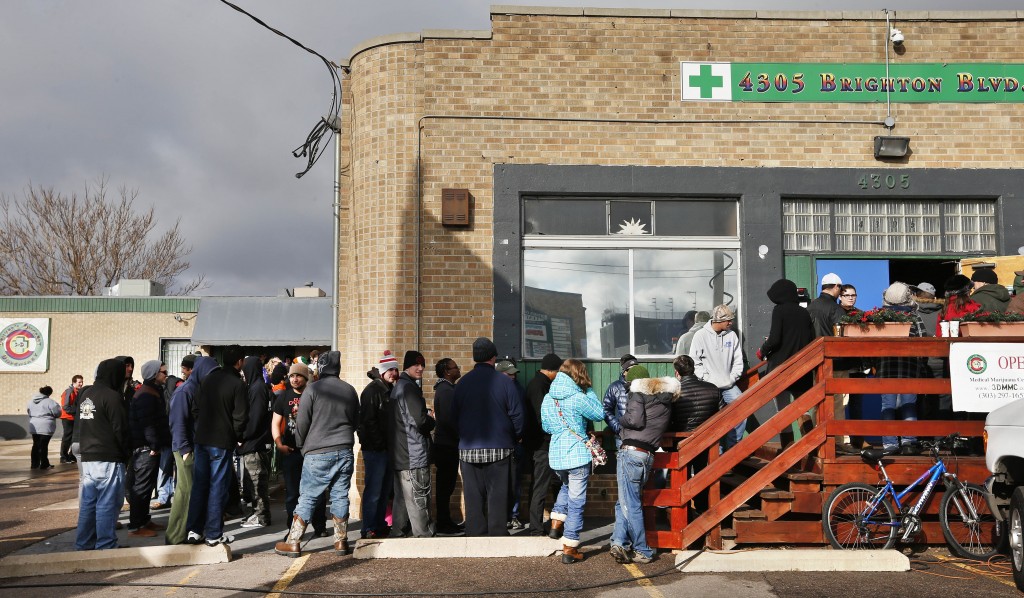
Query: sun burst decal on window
(632,227)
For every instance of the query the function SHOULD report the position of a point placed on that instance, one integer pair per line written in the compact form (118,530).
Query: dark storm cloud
(198,107)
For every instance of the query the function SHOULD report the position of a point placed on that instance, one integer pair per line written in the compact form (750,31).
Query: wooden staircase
(763,493)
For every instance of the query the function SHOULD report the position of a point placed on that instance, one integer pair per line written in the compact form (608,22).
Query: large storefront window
(597,292)
(891,227)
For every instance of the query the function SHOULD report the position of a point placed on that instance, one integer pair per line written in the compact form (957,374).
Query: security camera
(896,37)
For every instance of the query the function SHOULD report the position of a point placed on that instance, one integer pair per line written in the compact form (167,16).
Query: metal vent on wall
(455,207)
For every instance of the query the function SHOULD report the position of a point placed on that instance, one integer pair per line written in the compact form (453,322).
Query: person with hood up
(718,359)
(102,430)
(899,297)
(377,473)
(647,417)
(147,423)
(567,407)
(791,330)
(409,426)
(183,444)
(221,412)
(1016,305)
(42,423)
(988,293)
(325,428)
(615,396)
(255,449)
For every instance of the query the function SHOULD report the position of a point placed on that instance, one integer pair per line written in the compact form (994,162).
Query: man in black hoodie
(150,434)
(791,331)
(325,428)
(221,412)
(102,431)
(255,449)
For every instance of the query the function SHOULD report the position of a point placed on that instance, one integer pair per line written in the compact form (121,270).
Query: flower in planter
(992,316)
(879,315)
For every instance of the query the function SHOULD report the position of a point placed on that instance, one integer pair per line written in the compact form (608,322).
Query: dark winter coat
(102,424)
(614,403)
(147,419)
(221,409)
(447,432)
(992,297)
(534,436)
(791,329)
(825,314)
(489,408)
(328,411)
(409,426)
(648,412)
(697,402)
(257,432)
(183,425)
(373,403)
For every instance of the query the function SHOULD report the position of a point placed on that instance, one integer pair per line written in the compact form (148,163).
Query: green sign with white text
(832,83)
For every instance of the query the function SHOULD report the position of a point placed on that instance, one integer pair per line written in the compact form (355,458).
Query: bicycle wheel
(968,536)
(850,522)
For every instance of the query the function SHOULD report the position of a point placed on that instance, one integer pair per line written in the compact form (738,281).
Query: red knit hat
(387,362)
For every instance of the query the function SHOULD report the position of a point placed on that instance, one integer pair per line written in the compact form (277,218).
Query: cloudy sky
(198,107)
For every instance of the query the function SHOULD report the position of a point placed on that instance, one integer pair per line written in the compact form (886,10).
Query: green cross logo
(705,81)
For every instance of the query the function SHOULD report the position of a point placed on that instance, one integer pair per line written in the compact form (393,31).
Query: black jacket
(534,436)
(825,314)
(447,431)
(102,425)
(409,426)
(648,411)
(698,401)
(373,403)
(791,330)
(257,431)
(147,419)
(221,409)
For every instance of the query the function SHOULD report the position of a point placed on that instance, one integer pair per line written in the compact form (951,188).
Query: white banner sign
(986,376)
(26,345)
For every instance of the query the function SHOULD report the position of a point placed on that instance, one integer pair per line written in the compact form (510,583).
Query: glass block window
(893,227)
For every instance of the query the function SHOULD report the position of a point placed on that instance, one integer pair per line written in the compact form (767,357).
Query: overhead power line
(313,147)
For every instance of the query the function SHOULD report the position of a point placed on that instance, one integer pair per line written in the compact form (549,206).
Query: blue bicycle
(862,516)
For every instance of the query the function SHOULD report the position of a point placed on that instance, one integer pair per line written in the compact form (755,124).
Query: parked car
(1004,456)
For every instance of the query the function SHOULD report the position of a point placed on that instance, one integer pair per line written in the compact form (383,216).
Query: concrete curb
(793,560)
(456,547)
(116,559)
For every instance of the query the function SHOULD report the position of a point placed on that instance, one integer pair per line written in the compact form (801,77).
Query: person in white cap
(824,310)
(718,359)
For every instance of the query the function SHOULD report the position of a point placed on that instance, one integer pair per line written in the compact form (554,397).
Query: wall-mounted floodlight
(891,147)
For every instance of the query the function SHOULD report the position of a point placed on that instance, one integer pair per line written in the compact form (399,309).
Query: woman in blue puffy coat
(570,402)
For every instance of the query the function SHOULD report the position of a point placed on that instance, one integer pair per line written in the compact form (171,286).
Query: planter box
(890,329)
(992,329)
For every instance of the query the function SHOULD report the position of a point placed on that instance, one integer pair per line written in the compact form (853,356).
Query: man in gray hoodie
(718,359)
(325,428)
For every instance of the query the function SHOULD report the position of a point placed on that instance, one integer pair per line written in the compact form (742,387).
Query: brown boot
(292,544)
(340,535)
(571,555)
(556,529)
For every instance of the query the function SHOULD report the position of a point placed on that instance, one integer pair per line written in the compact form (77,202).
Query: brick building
(620,170)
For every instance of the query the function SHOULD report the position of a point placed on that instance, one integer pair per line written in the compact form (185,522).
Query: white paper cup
(944,328)
(954,328)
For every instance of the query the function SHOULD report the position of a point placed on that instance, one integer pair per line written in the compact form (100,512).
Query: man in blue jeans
(325,428)
(648,412)
(102,430)
(221,412)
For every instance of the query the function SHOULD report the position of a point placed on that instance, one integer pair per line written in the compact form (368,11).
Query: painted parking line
(183,581)
(289,575)
(643,582)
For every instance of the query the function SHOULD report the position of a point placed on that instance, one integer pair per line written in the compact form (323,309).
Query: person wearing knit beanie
(387,362)
(413,358)
(150,370)
(988,293)
(637,372)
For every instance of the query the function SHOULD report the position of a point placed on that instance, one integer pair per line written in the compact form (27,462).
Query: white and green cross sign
(708,81)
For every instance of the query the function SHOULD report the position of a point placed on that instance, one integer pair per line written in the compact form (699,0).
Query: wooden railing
(817,444)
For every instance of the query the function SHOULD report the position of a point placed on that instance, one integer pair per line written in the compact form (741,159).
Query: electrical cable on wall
(311,149)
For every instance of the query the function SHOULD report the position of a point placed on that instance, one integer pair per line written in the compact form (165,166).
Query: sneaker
(620,555)
(640,559)
(253,521)
(223,539)
(910,449)
(193,538)
(514,523)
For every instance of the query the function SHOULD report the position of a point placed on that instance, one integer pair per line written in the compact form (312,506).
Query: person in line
(988,293)
(378,477)
(221,412)
(568,406)
(410,424)
(615,397)
(182,427)
(791,330)
(697,403)
(536,441)
(282,430)
(718,359)
(898,297)
(68,407)
(43,413)
(824,311)
(325,428)
(446,444)
(848,298)
(165,478)
(488,409)
(1016,304)
(150,434)
(959,301)
(102,431)
(255,449)
(699,319)
(507,365)
(647,417)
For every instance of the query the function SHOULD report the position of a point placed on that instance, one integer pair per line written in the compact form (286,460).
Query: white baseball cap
(831,278)
(925,287)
